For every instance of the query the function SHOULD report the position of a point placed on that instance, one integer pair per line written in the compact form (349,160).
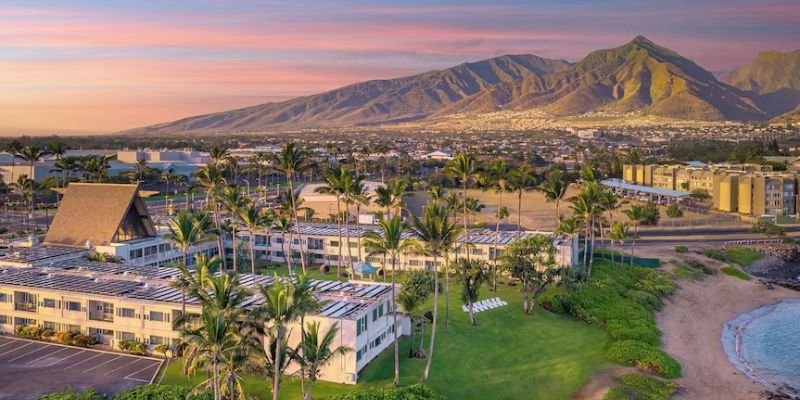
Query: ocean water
(765,344)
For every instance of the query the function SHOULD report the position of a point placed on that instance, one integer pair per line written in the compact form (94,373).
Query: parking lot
(29,369)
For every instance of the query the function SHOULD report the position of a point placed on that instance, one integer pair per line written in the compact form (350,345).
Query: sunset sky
(102,66)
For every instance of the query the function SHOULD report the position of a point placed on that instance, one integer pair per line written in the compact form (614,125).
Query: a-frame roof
(93,212)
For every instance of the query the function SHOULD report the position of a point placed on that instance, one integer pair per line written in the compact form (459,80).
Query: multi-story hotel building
(748,189)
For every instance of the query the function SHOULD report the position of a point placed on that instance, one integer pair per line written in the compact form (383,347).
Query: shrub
(31,331)
(736,273)
(682,271)
(161,392)
(645,357)
(716,254)
(413,392)
(641,330)
(82,341)
(743,256)
(697,265)
(641,387)
(132,347)
(646,299)
(674,211)
(651,214)
(70,395)
(65,337)
(681,249)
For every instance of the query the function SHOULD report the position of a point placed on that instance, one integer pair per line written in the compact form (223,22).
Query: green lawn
(743,256)
(508,356)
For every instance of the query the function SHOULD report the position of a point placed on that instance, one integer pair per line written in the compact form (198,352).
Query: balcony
(28,307)
(104,317)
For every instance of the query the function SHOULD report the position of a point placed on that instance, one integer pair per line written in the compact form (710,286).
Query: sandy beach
(692,321)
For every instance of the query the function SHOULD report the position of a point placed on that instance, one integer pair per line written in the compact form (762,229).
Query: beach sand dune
(692,321)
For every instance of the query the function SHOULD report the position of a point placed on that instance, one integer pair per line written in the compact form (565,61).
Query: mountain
(639,76)
(392,100)
(774,78)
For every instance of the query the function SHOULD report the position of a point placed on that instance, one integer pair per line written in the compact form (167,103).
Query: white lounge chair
(465,308)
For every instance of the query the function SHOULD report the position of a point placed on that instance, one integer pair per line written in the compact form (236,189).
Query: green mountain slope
(773,77)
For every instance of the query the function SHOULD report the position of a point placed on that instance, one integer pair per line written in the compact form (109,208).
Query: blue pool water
(765,344)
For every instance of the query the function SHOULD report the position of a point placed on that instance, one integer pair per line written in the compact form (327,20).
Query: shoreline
(692,323)
(732,335)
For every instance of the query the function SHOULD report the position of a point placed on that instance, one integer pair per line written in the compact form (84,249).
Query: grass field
(507,356)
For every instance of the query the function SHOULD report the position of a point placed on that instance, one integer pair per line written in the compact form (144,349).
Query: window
(24,321)
(73,306)
(157,340)
(74,328)
(126,336)
(377,312)
(49,325)
(49,303)
(4,319)
(334,243)
(158,316)
(361,325)
(126,312)
(4,298)
(361,353)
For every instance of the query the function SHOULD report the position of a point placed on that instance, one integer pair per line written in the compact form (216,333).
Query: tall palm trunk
(339,231)
(349,249)
(466,233)
(496,242)
(519,215)
(185,252)
(285,255)
(217,392)
(558,215)
(446,291)
(276,379)
(233,244)
(394,318)
(427,371)
(218,225)
(591,255)
(633,244)
(296,221)
(252,253)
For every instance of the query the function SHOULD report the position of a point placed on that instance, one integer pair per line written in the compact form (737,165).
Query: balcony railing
(102,317)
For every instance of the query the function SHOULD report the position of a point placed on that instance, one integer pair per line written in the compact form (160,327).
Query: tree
(32,154)
(284,225)
(532,261)
(185,232)
(95,168)
(390,242)
(410,302)
(315,350)
(471,274)
(674,211)
(435,231)
(462,167)
(253,220)
(207,344)
(282,306)
(586,207)
(234,200)
(521,180)
(353,194)
(768,228)
(211,178)
(497,176)
(619,233)
(336,181)
(636,214)
(554,188)
(290,161)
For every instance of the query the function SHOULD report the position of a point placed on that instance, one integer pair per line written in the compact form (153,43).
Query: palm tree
(390,242)
(472,273)
(391,196)
(521,180)
(95,168)
(219,154)
(13,148)
(462,166)
(184,232)
(619,232)
(497,176)
(25,186)
(554,188)
(57,148)
(234,200)
(253,220)
(291,161)
(282,306)
(586,206)
(569,227)
(64,166)
(410,302)
(436,193)
(32,154)
(353,193)
(207,345)
(212,179)
(336,180)
(435,231)
(610,202)
(315,350)
(636,214)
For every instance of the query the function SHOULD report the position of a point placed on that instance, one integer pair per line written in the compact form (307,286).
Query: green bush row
(641,387)
(645,357)
(413,392)
(132,347)
(68,338)
(622,301)
(146,392)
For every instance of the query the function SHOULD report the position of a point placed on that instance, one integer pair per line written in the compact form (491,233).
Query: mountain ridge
(639,76)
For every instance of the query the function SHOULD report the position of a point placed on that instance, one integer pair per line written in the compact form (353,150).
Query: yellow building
(725,192)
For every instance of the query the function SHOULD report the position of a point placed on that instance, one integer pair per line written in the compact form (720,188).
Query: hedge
(70,395)
(641,387)
(161,392)
(413,392)
(645,357)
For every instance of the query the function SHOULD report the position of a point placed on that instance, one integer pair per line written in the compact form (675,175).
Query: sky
(77,66)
